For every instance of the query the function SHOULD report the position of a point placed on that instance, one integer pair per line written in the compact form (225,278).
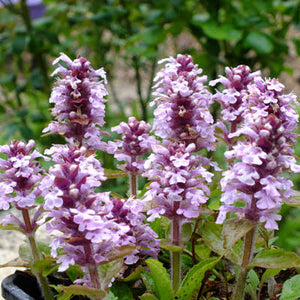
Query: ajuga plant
(113,246)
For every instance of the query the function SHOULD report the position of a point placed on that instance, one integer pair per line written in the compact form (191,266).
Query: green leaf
(194,278)
(80,290)
(46,266)
(297,45)
(135,275)
(259,42)
(267,274)
(212,237)
(114,173)
(164,244)
(110,296)
(222,32)
(11,227)
(15,263)
(202,251)
(276,259)
(234,229)
(291,289)
(151,36)
(161,226)
(148,296)
(161,279)
(19,43)
(252,284)
(148,281)
(186,232)
(294,201)
(121,291)
(108,271)
(74,272)
(199,19)
(25,252)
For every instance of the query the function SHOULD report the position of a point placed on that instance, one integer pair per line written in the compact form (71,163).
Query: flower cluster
(183,102)
(135,142)
(130,212)
(262,155)
(21,175)
(179,186)
(94,227)
(232,98)
(79,102)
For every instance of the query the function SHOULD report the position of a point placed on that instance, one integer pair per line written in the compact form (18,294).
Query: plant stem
(249,246)
(175,255)
(92,268)
(36,257)
(133,185)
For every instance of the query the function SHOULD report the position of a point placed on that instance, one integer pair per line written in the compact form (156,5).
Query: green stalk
(249,247)
(175,255)
(36,257)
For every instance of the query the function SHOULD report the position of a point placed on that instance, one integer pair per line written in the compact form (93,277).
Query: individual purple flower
(21,175)
(179,181)
(182,112)
(135,143)
(266,149)
(78,99)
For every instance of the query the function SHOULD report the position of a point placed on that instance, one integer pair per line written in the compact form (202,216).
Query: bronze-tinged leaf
(110,174)
(234,229)
(17,262)
(275,259)
(84,291)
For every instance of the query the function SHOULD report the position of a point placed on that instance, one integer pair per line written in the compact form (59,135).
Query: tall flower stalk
(78,99)
(260,157)
(135,143)
(183,121)
(20,186)
(233,98)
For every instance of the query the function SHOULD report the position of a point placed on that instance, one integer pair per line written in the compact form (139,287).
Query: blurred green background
(127,38)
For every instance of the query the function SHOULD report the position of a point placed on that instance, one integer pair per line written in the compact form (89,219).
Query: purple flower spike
(136,142)
(71,181)
(22,174)
(79,102)
(265,151)
(93,226)
(183,102)
(233,96)
(179,186)
(129,213)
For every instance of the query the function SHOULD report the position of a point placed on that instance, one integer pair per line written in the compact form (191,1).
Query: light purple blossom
(264,151)
(183,102)
(179,181)
(21,175)
(235,91)
(79,102)
(135,143)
